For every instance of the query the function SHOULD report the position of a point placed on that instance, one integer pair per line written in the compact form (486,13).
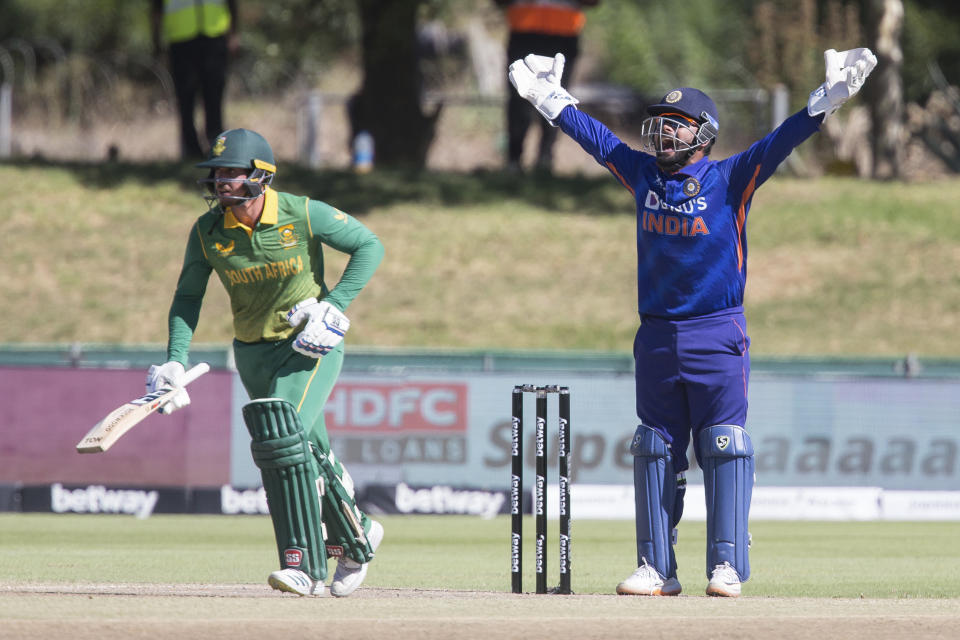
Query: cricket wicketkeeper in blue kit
(692,348)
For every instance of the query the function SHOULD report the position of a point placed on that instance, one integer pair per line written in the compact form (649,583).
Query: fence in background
(77,88)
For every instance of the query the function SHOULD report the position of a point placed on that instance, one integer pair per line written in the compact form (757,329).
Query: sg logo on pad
(722,442)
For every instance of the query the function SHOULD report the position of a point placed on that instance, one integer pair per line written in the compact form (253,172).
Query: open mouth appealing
(667,136)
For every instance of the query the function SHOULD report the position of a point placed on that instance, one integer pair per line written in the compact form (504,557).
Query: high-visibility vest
(187,19)
(555,18)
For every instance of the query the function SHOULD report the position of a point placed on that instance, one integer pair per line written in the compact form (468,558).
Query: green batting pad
(282,452)
(345,524)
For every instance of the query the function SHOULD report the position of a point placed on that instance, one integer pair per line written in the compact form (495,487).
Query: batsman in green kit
(267,249)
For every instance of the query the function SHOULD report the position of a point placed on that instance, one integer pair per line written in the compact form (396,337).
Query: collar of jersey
(695,170)
(269,215)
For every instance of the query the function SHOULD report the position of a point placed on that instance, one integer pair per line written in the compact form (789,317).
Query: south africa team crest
(288,236)
(219,146)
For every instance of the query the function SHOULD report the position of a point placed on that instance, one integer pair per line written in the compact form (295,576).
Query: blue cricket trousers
(691,374)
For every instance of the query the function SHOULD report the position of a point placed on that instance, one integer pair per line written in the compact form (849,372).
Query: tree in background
(764,43)
(931,76)
(389,102)
(654,46)
(648,46)
(884,21)
(295,41)
(788,48)
(930,40)
(79,25)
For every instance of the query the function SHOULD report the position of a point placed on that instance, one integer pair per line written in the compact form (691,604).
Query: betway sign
(391,408)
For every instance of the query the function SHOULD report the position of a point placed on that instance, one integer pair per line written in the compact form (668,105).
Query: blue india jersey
(691,225)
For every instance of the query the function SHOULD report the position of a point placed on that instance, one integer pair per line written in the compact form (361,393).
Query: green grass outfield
(789,559)
(447,576)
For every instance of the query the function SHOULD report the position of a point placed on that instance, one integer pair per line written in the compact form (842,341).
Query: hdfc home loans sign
(408,422)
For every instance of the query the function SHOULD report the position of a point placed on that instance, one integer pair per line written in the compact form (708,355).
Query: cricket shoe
(724,582)
(647,581)
(295,581)
(350,573)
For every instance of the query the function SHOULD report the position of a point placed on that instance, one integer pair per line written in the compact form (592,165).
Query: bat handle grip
(194,372)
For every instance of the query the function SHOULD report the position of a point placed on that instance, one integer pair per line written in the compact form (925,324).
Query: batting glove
(846,73)
(324,329)
(537,80)
(168,376)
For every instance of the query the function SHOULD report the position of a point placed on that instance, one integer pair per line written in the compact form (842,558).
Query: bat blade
(106,432)
(103,434)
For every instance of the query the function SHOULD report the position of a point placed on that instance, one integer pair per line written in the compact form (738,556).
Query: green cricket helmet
(242,149)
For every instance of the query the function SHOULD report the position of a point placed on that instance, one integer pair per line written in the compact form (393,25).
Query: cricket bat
(106,432)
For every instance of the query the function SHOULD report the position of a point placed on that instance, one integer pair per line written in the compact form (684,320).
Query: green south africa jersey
(268,269)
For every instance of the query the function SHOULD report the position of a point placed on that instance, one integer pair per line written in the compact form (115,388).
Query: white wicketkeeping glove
(324,329)
(846,73)
(168,376)
(537,80)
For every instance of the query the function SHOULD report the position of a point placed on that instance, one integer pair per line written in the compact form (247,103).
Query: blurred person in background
(543,27)
(266,248)
(691,351)
(201,35)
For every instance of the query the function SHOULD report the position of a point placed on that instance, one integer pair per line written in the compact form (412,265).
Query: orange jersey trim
(619,177)
(556,21)
(742,215)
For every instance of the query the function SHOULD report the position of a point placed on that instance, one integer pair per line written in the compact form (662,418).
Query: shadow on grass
(360,193)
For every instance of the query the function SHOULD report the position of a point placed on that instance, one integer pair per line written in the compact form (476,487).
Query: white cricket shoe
(295,581)
(350,573)
(647,581)
(724,581)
